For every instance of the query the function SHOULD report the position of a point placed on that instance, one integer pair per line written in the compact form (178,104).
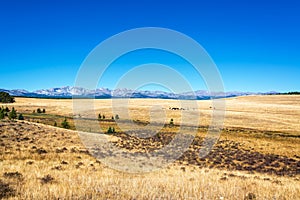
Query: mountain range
(69,92)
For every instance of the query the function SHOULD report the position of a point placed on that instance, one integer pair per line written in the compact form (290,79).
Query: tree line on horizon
(291,93)
(6,98)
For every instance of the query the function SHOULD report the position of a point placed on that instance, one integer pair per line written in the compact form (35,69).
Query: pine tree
(65,124)
(117,117)
(110,130)
(2,115)
(55,124)
(12,114)
(171,122)
(99,116)
(7,109)
(44,110)
(20,117)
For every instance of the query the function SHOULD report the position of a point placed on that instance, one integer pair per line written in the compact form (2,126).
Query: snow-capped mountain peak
(69,92)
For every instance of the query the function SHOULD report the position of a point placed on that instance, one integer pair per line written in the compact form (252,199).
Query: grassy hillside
(256,157)
(42,162)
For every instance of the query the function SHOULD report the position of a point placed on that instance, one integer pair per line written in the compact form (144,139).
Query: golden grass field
(256,157)
(274,112)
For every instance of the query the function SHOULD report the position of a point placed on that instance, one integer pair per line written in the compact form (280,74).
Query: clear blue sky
(255,44)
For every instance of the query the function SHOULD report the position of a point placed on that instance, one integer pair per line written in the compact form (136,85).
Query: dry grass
(64,170)
(249,119)
(267,113)
(43,162)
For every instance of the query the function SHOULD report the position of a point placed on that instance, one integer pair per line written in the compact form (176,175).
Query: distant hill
(69,92)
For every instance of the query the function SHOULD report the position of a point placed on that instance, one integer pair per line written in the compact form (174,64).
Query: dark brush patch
(14,175)
(47,179)
(225,154)
(6,190)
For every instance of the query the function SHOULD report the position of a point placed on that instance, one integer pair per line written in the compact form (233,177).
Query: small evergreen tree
(110,130)
(103,116)
(12,114)
(44,110)
(55,124)
(38,110)
(20,117)
(99,116)
(65,124)
(171,122)
(117,117)
(112,117)
(2,114)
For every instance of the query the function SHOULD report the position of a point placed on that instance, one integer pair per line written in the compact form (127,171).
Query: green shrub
(111,130)
(12,114)
(7,109)
(65,124)
(20,117)
(171,122)
(2,114)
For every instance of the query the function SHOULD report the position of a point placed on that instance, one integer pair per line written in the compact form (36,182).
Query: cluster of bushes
(102,117)
(6,98)
(110,130)
(40,110)
(65,124)
(11,114)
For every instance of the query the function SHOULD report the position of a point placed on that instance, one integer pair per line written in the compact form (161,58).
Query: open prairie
(268,112)
(257,155)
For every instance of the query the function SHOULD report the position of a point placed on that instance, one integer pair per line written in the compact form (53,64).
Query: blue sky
(255,44)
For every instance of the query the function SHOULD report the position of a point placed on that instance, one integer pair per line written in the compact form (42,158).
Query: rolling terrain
(257,155)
